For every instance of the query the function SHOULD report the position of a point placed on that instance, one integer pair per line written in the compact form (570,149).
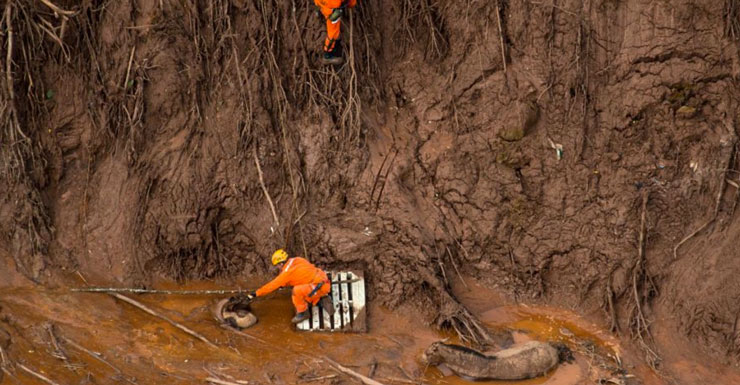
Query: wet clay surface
(141,348)
(150,350)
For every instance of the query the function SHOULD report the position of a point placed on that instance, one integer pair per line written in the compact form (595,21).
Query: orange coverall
(332,28)
(303,276)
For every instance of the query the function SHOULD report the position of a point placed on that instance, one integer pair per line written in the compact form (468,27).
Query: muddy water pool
(125,345)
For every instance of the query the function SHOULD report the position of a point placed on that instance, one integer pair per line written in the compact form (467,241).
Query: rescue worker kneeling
(310,284)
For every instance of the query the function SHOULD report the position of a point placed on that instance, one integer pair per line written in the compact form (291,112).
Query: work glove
(336,14)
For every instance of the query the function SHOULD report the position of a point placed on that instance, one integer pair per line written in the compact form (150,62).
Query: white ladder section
(348,295)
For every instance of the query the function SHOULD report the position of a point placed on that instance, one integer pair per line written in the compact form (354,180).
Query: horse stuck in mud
(528,360)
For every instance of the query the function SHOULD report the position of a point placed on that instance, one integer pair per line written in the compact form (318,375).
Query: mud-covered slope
(560,150)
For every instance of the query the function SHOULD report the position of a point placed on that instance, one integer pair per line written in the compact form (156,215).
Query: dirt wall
(560,150)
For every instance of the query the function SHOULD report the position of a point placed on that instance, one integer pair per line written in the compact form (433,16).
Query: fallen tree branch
(345,370)
(11,375)
(171,322)
(92,354)
(399,380)
(57,352)
(222,382)
(37,375)
(322,378)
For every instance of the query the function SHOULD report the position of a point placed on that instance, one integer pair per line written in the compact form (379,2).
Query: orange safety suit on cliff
(327,7)
(304,277)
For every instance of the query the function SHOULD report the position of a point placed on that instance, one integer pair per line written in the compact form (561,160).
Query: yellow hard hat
(278,256)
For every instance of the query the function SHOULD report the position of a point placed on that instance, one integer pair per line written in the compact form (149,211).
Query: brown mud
(138,347)
(577,154)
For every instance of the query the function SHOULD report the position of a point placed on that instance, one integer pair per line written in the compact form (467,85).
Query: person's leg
(332,32)
(325,300)
(314,299)
(300,292)
(332,27)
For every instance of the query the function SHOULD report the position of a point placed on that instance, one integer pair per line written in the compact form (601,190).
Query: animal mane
(466,349)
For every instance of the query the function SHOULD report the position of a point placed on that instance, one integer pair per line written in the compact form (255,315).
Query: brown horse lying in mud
(529,360)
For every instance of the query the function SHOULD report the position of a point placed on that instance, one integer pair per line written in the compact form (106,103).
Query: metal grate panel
(348,295)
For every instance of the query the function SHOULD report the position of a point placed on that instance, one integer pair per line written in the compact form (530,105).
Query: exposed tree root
(732,19)
(501,33)
(455,316)
(21,159)
(643,289)
(718,202)
(422,23)
(264,189)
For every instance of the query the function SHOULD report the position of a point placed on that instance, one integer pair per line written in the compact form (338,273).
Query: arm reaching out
(275,284)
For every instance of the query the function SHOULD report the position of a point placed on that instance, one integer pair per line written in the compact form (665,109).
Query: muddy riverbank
(579,154)
(53,332)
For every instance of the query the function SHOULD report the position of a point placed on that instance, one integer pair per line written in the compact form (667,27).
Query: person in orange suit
(332,11)
(310,284)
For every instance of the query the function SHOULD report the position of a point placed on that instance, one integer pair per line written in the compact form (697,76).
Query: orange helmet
(279,256)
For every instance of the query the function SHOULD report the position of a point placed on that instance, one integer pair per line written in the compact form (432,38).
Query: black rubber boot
(333,57)
(328,305)
(300,317)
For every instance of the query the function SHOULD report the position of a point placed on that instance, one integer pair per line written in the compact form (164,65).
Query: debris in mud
(4,344)
(4,338)
(235,312)
(557,147)
(686,112)
(528,360)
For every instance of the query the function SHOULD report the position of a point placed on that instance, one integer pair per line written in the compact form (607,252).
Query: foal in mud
(522,362)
